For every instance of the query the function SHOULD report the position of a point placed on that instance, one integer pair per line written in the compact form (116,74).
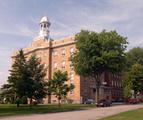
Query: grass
(11,110)
(130,115)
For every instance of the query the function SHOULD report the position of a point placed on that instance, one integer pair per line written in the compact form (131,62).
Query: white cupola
(44,27)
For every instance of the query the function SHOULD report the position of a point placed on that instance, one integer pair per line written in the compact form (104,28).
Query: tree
(7,94)
(49,90)
(134,68)
(27,78)
(37,73)
(136,77)
(58,85)
(18,78)
(127,86)
(135,55)
(97,53)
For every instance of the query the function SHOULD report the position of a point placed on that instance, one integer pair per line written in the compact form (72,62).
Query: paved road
(91,114)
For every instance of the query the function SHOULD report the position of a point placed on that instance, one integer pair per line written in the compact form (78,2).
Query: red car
(133,101)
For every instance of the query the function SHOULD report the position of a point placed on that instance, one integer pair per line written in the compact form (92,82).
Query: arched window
(44,25)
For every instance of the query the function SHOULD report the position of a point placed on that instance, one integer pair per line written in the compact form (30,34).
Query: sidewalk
(91,114)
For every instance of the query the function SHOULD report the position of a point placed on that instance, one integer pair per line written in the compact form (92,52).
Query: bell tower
(44,27)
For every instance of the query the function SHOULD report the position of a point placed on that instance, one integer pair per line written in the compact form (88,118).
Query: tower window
(44,25)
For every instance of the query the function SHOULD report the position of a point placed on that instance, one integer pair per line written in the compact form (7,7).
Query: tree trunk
(97,82)
(17,104)
(30,101)
(49,98)
(59,103)
(135,94)
(97,93)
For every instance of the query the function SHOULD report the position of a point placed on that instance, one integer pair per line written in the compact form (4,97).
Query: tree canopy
(136,77)
(134,55)
(26,78)
(134,70)
(99,52)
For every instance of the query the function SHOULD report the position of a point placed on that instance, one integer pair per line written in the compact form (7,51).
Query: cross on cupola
(44,27)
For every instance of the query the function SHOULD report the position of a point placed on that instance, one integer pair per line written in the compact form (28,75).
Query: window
(71,66)
(115,83)
(45,65)
(55,65)
(38,55)
(120,84)
(112,83)
(55,53)
(71,91)
(44,25)
(71,78)
(63,64)
(72,51)
(63,52)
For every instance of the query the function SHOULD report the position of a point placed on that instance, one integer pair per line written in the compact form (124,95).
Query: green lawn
(10,110)
(130,115)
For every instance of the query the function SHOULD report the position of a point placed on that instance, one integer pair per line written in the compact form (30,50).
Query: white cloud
(24,30)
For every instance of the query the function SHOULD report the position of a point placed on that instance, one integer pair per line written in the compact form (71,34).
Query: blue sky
(19,21)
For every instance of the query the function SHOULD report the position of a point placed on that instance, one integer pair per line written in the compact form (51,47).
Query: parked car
(103,103)
(141,100)
(89,101)
(133,101)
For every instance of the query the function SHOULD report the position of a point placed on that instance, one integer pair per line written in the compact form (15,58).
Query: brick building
(55,55)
